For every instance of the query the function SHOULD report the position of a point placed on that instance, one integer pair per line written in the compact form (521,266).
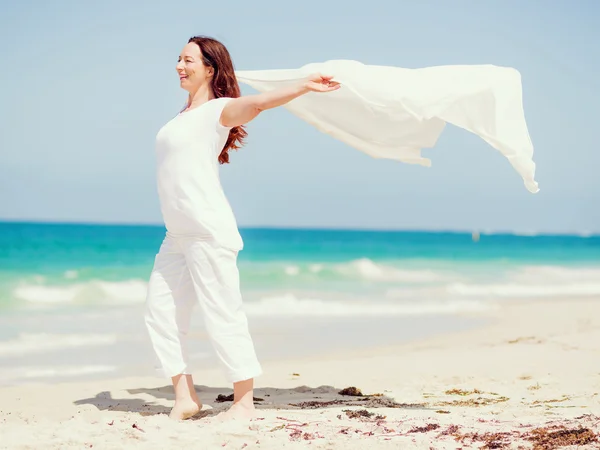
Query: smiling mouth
(182,77)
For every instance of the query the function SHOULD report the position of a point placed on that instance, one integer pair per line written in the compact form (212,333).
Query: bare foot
(238,411)
(184,409)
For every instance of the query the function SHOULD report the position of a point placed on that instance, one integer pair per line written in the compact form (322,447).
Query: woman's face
(191,69)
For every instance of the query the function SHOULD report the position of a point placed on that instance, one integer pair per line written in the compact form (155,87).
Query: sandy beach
(529,378)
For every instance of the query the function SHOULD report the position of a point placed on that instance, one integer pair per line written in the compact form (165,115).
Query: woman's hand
(321,83)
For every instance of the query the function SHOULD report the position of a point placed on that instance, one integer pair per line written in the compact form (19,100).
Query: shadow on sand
(301,397)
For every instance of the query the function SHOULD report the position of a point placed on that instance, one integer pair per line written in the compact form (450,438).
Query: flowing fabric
(392,112)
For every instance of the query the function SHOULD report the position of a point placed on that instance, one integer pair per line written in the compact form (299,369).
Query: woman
(196,263)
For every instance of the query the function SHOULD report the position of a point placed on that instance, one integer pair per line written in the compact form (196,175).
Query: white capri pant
(189,271)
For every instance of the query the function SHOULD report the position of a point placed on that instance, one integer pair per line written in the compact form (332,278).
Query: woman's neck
(202,95)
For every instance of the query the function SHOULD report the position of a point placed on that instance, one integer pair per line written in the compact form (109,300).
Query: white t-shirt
(189,188)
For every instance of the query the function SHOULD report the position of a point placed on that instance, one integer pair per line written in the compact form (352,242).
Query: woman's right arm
(242,110)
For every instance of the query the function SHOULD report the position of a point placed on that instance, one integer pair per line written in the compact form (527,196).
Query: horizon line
(317,228)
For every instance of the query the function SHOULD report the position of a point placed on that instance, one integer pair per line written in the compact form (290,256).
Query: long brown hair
(224,84)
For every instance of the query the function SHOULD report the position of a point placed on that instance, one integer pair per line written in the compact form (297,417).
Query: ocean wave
(535,281)
(329,281)
(372,271)
(358,269)
(43,342)
(131,291)
(71,274)
(290,305)
(292,270)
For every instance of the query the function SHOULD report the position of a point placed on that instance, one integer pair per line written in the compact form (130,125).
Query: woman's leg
(215,277)
(170,301)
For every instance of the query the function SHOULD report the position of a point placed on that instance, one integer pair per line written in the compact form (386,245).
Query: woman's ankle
(243,392)
(183,385)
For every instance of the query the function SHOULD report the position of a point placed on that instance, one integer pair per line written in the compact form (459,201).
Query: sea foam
(44,342)
(292,305)
(131,291)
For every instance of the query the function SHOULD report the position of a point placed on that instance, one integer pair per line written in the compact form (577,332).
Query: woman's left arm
(242,110)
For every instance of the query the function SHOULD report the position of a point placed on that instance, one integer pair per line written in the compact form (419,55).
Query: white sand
(537,365)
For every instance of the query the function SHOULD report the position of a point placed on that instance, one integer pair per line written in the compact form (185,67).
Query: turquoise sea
(71,295)
(68,265)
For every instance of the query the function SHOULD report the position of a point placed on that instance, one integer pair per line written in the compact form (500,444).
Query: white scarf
(391,112)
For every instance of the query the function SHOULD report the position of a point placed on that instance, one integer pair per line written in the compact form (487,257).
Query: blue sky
(86,86)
